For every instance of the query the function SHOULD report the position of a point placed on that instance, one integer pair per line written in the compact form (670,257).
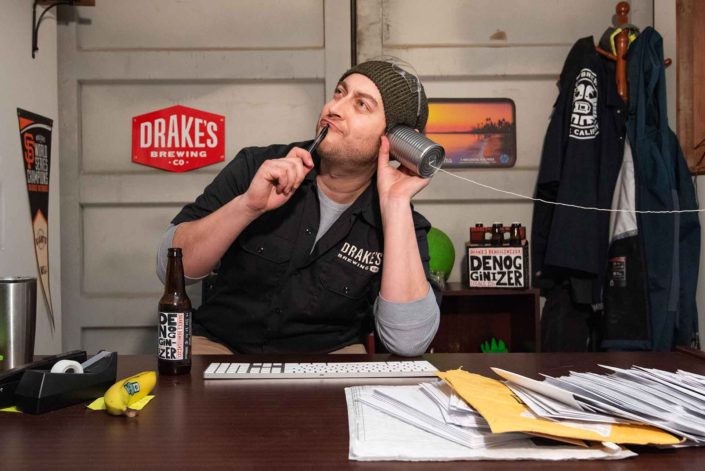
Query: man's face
(355,119)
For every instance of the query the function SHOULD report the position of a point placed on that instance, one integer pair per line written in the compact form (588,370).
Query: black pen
(318,139)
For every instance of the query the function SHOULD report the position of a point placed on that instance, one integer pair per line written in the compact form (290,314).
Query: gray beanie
(399,92)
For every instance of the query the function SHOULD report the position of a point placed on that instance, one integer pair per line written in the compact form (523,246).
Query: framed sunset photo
(475,132)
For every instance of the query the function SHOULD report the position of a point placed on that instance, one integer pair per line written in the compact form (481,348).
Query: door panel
(266,65)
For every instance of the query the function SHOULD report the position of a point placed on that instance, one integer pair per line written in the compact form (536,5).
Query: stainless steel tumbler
(18,313)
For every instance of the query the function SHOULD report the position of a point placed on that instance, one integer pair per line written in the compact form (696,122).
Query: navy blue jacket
(580,161)
(670,242)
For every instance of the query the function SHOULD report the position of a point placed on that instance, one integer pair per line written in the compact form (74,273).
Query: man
(315,248)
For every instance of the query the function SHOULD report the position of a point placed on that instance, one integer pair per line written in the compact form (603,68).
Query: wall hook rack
(49,5)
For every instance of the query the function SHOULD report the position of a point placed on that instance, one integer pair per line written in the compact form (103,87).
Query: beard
(350,156)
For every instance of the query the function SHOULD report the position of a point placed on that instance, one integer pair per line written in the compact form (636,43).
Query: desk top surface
(219,424)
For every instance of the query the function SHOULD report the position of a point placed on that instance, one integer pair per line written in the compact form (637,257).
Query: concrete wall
(29,84)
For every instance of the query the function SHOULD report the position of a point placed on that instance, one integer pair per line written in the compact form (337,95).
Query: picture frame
(475,132)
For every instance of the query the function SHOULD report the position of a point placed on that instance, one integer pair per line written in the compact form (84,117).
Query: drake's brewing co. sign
(178,139)
(497,267)
(35,140)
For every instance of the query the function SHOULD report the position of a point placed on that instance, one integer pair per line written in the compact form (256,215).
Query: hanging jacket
(581,158)
(670,242)
(626,322)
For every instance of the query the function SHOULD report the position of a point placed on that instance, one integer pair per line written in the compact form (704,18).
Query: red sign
(178,139)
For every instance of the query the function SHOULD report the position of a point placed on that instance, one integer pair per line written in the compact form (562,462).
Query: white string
(555,203)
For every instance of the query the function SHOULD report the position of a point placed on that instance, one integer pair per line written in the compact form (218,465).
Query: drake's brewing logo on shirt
(583,120)
(361,258)
(496,267)
(178,139)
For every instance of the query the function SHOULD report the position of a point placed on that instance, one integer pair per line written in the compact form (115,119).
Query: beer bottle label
(174,335)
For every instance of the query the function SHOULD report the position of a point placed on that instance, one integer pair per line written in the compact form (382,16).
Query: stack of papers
(430,422)
(467,416)
(453,409)
(504,413)
(416,406)
(552,402)
(670,401)
(674,402)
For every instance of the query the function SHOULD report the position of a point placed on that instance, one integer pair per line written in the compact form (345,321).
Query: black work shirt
(580,162)
(275,292)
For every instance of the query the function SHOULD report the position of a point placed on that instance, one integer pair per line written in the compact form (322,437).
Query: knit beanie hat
(403,96)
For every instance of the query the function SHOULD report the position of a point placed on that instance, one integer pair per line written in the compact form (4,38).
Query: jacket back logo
(583,120)
(365,259)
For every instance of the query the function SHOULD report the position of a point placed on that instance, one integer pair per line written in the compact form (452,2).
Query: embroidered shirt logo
(583,120)
(361,258)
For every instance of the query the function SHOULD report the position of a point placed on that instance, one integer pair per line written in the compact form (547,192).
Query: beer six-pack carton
(498,256)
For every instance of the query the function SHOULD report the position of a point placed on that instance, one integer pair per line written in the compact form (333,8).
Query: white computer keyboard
(366,369)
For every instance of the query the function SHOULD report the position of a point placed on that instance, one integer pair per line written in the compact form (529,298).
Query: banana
(128,391)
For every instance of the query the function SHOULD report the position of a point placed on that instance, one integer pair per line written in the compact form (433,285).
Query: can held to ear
(415,151)
(18,313)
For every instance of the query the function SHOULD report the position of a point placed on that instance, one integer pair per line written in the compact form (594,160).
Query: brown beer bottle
(174,328)
(515,234)
(477,234)
(497,234)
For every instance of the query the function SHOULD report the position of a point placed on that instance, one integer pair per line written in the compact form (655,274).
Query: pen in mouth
(319,138)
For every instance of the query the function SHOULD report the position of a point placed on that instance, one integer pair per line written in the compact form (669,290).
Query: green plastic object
(494,346)
(441,251)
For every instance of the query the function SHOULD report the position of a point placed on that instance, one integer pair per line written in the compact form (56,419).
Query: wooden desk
(472,316)
(196,424)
